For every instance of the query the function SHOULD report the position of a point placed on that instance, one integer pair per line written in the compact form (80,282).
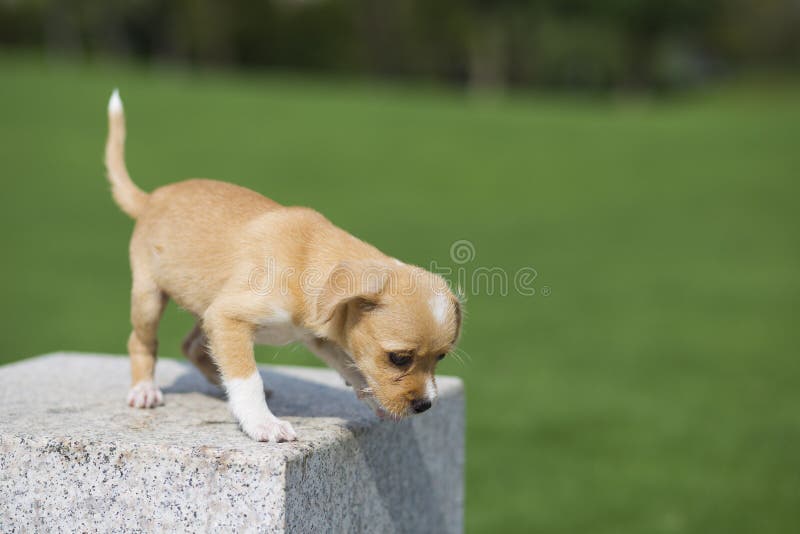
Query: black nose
(420,405)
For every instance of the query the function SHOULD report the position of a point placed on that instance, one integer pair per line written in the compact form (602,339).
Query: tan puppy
(252,270)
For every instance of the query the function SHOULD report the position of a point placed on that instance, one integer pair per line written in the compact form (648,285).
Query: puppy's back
(190,235)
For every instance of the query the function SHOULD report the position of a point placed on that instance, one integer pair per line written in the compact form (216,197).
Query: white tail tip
(115,102)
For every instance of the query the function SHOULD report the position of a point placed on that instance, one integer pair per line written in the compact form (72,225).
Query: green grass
(656,389)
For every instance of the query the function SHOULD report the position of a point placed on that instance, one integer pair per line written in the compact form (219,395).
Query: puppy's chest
(278,330)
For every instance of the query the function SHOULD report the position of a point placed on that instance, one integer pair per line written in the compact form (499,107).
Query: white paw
(273,430)
(145,395)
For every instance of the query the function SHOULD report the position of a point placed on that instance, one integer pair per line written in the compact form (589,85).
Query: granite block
(75,457)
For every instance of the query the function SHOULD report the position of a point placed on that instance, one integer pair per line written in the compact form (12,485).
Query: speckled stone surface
(75,457)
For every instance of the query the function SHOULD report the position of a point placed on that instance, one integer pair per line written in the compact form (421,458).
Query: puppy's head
(397,322)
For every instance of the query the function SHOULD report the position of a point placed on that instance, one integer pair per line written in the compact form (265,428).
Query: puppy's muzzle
(420,405)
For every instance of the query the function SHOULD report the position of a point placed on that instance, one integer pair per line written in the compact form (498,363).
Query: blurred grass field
(657,387)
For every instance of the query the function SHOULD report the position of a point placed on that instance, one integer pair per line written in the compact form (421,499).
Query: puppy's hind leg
(147,305)
(195,348)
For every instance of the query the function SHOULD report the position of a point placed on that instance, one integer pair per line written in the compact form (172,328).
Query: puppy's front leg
(338,360)
(231,343)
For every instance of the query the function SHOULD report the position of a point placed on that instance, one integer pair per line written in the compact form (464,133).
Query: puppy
(253,271)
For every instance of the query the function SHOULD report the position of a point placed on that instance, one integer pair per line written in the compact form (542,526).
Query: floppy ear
(351,281)
(459,318)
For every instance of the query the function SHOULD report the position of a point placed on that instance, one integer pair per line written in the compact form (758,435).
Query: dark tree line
(493,44)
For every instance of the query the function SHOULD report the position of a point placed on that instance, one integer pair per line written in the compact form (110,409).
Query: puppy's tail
(126,194)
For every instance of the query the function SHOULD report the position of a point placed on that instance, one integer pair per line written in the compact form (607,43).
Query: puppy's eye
(400,360)
(440,357)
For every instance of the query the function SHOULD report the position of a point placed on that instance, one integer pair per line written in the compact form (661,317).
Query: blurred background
(481,44)
(637,159)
